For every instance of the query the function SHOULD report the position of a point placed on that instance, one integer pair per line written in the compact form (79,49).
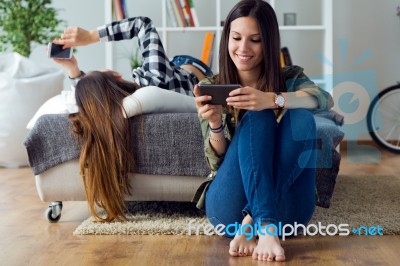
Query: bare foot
(243,244)
(268,247)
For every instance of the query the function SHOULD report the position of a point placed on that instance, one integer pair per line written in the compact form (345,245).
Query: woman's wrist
(218,129)
(75,73)
(213,125)
(76,78)
(94,36)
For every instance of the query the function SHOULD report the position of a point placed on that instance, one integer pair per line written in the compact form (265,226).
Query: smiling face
(245,45)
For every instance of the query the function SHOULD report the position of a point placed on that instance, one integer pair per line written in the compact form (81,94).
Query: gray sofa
(168,151)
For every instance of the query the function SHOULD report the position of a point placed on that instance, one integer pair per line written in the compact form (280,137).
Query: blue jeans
(268,171)
(180,60)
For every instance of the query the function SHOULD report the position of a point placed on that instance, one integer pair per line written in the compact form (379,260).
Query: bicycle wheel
(383,119)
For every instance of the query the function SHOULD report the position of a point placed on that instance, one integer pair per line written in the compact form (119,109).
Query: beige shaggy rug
(357,201)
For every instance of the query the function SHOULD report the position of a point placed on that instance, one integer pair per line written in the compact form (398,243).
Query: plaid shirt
(156,70)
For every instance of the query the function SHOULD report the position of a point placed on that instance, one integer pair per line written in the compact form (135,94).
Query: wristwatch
(279,101)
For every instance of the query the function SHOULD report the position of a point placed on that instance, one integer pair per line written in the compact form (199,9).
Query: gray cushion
(168,144)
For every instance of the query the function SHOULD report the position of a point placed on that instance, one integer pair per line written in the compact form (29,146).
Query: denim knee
(179,60)
(264,116)
(303,121)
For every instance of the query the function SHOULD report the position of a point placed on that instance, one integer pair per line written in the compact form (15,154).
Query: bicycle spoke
(390,133)
(384,119)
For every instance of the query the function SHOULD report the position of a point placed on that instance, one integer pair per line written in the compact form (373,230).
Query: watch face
(280,100)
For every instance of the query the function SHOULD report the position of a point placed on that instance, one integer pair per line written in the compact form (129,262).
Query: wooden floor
(26,238)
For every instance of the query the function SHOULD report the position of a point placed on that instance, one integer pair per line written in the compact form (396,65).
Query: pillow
(145,100)
(63,103)
(24,86)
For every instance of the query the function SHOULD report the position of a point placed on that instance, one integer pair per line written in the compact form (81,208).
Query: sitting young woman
(261,148)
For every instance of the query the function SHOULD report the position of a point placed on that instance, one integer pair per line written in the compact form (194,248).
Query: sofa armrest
(328,158)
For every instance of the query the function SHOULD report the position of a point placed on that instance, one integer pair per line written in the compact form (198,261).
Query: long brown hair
(106,154)
(271,74)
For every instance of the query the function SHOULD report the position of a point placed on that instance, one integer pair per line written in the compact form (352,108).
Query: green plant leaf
(24,23)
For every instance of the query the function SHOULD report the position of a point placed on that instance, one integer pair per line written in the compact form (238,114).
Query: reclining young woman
(101,98)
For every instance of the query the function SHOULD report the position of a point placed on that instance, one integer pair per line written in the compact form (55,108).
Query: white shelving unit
(165,30)
(108,17)
(324,28)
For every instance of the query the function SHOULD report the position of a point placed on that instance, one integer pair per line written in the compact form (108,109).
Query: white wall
(88,14)
(366,25)
(369,25)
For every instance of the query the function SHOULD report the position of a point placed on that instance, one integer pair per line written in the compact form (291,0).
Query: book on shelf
(124,9)
(119,9)
(182,13)
(178,12)
(187,13)
(286,59)
(281,59)
(207,51)
(171,14)
(194,14)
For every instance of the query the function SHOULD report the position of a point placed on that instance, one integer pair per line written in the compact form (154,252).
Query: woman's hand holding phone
(70,65)
(210,112)
(218,92)
(249,98)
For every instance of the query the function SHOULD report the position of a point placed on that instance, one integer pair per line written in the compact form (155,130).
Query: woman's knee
(260,119)
(222,209)
(264,115)
(301,123)
(301,118)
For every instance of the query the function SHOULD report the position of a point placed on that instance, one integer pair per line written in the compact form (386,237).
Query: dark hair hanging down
(106,155)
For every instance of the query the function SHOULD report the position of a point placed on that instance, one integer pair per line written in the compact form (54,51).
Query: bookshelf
(311,36)
(313,33)
(210,14)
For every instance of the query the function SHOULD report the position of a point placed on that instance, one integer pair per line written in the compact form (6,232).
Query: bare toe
(233,252)
(280,258)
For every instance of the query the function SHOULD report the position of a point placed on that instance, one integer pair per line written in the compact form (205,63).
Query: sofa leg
(53,212)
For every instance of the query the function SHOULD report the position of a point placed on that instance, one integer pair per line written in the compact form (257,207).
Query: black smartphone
(57,51)
(219,93)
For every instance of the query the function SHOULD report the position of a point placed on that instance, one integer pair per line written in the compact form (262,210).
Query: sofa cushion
(165,143)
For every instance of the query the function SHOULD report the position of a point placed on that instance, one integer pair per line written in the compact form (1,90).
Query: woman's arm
(70,66)
(115,31)
(76,36)
(211,117)
(301,92)
(300,99)
(252,99)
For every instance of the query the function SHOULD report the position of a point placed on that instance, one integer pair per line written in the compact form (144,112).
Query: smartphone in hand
(57,51)
(219,93)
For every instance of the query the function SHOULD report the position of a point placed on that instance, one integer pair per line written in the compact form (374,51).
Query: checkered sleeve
(156,69)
